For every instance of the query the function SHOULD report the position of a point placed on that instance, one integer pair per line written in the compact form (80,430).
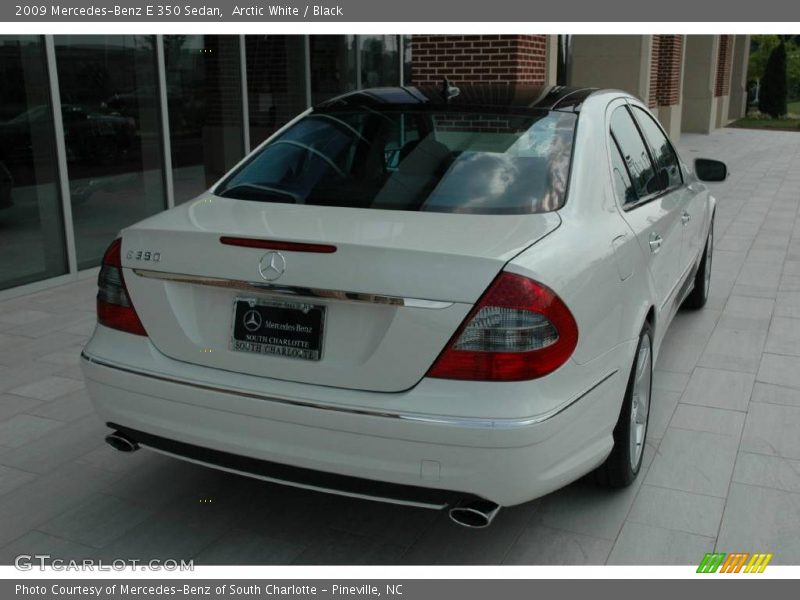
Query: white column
(166,147)
(245,98)
(307,68)
(61,153)
(551,60)
(401,55)
(699,82)
(741,57)
(611,61)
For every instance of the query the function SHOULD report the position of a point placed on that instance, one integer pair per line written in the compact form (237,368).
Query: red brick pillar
(478,58)
(670,70)
(723,83)
(666,75)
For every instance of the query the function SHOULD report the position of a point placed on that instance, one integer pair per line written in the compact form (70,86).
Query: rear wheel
(702,279)
(630,433)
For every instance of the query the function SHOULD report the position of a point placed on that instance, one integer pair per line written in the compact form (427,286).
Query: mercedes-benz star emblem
(271,266)
(252,321)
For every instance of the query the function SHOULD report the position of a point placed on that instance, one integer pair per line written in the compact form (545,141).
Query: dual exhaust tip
(119,441)
(473,514)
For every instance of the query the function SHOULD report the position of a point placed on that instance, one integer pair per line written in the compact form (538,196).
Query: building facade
(100,131)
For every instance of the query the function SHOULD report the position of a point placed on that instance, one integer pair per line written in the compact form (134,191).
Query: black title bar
(463,11)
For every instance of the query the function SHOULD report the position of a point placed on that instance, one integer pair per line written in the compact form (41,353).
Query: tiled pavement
(722,466)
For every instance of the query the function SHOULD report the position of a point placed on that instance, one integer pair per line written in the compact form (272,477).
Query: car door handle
(655,243)
(685,217)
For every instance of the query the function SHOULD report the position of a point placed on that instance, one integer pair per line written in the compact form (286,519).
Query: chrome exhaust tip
(119,441)
(474,514)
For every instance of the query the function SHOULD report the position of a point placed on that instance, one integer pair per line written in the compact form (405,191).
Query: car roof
(498,96)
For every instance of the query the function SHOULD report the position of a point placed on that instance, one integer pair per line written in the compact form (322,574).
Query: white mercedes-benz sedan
(441,297)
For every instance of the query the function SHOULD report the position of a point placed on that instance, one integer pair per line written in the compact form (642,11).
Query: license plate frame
(274,318)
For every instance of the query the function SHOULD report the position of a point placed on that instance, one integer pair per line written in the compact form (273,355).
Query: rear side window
(634,153)
(416,160)
(623,185)
(663,154)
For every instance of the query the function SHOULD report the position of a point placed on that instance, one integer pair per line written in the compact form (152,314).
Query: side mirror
(708,169)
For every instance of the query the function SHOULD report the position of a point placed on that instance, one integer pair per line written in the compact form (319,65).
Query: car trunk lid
(388,299)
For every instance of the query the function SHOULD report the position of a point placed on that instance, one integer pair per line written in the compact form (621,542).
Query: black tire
(702,280)
(620,469)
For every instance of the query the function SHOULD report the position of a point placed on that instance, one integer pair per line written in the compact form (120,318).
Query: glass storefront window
(113,131)
(204,97)
(380,60)
(333,65)
(110,109)
(31,223)
(276,83)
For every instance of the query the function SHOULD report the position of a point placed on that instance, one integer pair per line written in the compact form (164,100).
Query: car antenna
(448,90)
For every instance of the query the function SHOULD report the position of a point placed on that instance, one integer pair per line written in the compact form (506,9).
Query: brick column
(478,58)
(722,88)
(666,73)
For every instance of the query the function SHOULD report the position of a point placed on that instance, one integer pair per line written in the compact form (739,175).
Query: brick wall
(483,123)
(665,70)
(478,58)
(724,57)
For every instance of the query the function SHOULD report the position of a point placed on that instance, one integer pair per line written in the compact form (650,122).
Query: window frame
(649,145)
(642,200)
(614,147)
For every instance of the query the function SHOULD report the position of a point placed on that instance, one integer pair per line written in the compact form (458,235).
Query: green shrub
(772,96)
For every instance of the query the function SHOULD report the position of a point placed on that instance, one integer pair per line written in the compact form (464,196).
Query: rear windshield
(418,160)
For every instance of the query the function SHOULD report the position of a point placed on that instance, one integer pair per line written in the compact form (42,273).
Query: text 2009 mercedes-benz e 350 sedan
(437,296)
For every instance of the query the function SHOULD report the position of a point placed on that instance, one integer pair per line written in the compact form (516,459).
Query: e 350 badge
(143,255)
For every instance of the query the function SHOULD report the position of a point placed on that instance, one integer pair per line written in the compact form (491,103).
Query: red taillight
(114,307)
(518,330)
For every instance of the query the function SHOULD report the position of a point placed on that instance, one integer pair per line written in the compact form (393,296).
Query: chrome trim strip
(305,486)
(293,291)
(465,422)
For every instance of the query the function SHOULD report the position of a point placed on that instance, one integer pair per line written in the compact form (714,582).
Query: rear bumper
(507,461)
(294,476)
